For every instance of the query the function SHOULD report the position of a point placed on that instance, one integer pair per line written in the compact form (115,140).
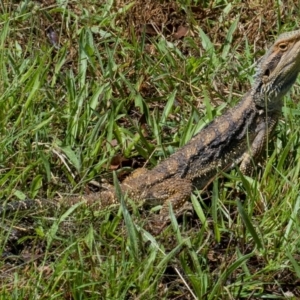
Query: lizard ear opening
(265,76)
(267,73)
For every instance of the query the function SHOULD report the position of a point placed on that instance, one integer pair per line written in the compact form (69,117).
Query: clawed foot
(157,223)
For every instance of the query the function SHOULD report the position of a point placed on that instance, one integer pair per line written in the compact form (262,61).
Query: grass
(115,96)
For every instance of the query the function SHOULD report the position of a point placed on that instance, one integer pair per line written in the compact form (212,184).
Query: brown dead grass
(258,20)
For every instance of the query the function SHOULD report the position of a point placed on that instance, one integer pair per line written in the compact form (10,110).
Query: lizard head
(277,71)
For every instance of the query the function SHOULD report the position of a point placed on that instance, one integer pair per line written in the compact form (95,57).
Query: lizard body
(236,137)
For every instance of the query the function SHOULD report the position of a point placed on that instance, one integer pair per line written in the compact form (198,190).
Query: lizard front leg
(263,132)
(174,191)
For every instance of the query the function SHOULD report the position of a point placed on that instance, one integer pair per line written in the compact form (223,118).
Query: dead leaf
(181,32)
(53,37)
(117,162)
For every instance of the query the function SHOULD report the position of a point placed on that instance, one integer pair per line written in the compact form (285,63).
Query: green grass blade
(249,225)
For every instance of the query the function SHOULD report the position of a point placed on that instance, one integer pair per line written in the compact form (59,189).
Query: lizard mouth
(288,75)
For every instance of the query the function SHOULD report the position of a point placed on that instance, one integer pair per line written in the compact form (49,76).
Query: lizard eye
(282,46)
